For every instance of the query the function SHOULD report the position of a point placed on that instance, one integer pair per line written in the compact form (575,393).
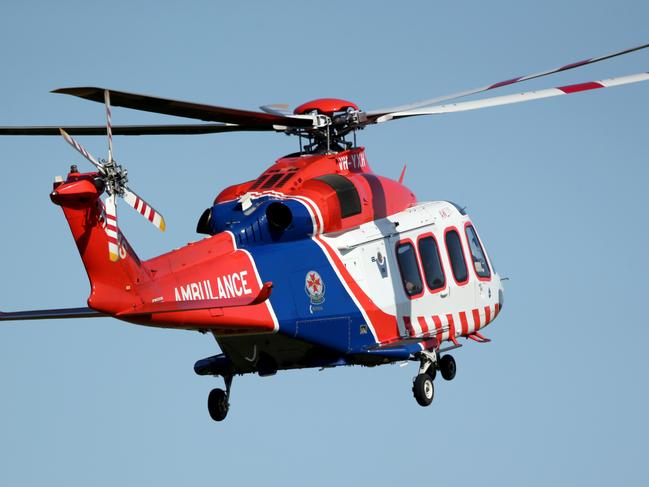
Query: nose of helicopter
(501,293)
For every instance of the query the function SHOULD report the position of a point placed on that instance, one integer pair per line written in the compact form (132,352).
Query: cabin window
(431,263)
(409,269)
(477,253)
(456,256)
(350,202)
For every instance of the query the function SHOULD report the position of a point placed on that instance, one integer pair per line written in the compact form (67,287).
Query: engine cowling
(302,195)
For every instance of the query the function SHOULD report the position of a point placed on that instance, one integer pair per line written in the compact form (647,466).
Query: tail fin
(112,284)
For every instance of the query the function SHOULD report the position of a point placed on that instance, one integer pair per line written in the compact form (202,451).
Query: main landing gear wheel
(218,401)
(217,404)
(423,389)
(447,367)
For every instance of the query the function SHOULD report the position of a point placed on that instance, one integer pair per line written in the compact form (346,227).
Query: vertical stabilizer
(113,284)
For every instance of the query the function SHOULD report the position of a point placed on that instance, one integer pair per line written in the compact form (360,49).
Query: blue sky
(556,188)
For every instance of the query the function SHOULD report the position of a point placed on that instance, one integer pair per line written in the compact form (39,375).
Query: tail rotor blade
(144,209)
(111,228)
(109,128)
(83,151)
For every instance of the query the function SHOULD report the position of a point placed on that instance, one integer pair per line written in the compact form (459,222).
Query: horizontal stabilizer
(199,304)
(49,314)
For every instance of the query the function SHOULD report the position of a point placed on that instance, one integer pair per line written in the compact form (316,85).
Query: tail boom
(208,285)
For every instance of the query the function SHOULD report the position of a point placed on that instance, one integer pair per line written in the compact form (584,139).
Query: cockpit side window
(409,269)
(480,263)
(431,263)
(456,256)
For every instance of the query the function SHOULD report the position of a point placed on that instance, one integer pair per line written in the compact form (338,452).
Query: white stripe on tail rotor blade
(111,228)
(78,147)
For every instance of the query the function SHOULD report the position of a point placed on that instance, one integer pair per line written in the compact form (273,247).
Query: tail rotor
(115,179)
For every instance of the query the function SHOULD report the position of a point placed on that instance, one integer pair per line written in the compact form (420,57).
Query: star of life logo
(314,288)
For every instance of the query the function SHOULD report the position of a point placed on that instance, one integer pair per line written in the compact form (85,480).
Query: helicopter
(317,262)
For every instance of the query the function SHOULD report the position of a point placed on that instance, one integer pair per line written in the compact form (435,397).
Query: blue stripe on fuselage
(336,322)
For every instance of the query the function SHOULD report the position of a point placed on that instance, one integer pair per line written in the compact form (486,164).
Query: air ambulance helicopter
(318,262)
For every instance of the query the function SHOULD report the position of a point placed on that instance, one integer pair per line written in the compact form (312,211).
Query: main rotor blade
(144,209)
(83,151)
(111,228)
(109,130)
(209,113)
(516,98)
(281,109)
(372,115)
(183,129)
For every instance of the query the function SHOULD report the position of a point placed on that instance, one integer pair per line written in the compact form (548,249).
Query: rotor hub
(325,106)
(115,178)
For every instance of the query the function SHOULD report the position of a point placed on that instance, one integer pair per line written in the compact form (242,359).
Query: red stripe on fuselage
(423,324)
(476,319)
(451,326)
(409,328)
(464,323)
(438,327)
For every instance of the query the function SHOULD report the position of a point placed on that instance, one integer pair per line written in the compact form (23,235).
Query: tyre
(217,404)
(423,389)
(447,367)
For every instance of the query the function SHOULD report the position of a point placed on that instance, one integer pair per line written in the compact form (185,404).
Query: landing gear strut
(218,401)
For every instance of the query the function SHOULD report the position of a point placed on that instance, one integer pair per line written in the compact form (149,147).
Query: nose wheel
(218,401)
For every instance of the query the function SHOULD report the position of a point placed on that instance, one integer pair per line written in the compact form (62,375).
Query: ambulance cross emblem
(314,287)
